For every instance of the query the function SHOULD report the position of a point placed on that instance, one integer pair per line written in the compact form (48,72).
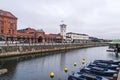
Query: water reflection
(62,60)
(112,56)
(11,66)
(34,67)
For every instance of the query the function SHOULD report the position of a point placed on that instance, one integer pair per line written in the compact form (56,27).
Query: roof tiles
(7,14)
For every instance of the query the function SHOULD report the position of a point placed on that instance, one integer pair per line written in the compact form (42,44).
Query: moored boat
(105,65)
(109,77)
(110,50)
(85,76)
(100,71)
(73,77)
(117,62)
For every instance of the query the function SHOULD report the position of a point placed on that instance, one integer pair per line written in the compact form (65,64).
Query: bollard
(52,74)
(83,61)
(75,63)
(66,69)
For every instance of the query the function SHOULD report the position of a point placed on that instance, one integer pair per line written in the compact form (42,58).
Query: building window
(2,31)
(2,19)
(9,32)
(11,25)
(12,31)
(2,24)
(12,21)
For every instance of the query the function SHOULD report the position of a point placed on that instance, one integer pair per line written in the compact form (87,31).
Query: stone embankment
(22,49)
(3,71)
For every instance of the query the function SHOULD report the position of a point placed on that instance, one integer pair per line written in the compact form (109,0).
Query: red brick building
(8,25)
(37,36)
(9,32)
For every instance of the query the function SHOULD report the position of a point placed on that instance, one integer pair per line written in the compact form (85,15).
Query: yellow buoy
(66,69)
(52,74)
(83,61)
(75,63)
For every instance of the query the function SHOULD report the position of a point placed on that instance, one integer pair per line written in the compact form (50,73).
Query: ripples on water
(34,67)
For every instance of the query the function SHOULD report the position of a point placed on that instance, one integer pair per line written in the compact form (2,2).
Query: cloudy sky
(98,18)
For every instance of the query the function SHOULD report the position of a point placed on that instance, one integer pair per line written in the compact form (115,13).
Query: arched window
(40,39)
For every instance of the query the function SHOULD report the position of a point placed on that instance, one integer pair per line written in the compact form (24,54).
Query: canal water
(34,67)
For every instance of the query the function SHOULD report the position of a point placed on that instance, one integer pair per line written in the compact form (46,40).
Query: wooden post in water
(116,50)
(116,54)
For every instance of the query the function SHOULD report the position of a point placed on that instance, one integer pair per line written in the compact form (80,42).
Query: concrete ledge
(3,71)
(43,50)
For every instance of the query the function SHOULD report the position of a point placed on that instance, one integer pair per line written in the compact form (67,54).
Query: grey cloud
(99,18)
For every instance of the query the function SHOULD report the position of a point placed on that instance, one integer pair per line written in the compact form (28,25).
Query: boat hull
(107,61)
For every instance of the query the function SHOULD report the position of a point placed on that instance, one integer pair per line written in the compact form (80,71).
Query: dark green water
(38,68)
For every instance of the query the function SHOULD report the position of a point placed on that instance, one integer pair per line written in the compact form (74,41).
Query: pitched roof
(23,30)
(7,14)
(40,30)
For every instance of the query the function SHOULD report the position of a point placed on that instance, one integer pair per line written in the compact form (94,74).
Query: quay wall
(22,49)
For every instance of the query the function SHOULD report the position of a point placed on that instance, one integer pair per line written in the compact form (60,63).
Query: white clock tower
(63,30)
